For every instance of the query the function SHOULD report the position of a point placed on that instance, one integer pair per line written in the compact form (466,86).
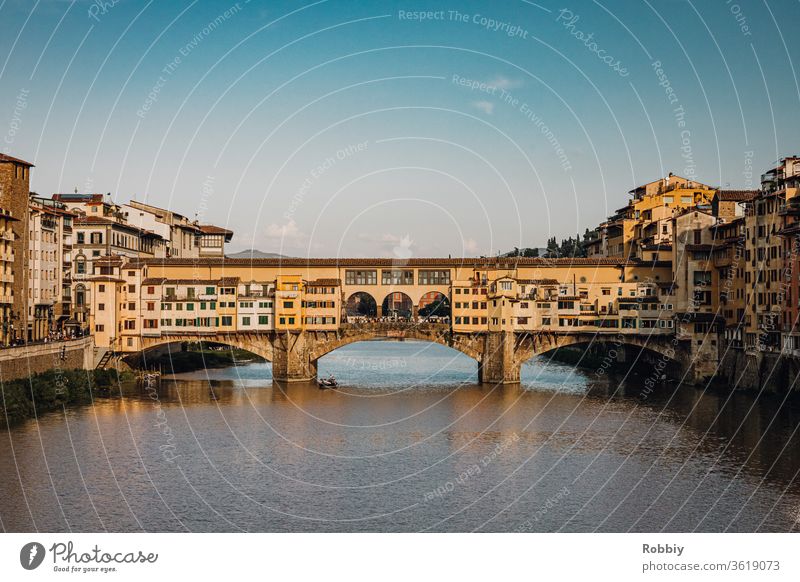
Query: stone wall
(24,361)
(769,371)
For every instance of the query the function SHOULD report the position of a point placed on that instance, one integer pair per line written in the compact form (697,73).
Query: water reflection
(411,442)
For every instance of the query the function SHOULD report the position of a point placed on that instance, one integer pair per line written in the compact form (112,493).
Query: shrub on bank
(25,397)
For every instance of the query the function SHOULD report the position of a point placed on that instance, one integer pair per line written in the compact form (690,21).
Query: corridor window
(397,277)
(361,277)
(434,277)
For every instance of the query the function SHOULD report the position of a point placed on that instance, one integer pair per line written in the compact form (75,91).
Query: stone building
(14,192)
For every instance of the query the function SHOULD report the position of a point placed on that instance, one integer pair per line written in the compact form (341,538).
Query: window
(101,288)
(209,290)
(99,328)
(101,307)
(190,307)
(291,321)
(263,320)
(80,265)
(427,277)
(151,290)
(397,277)
(245,321)
(227,320)
(505,285)
(288,304)
(81,238)
(96,238)
(151,306)
(361,277)
(687,199)
(702,278)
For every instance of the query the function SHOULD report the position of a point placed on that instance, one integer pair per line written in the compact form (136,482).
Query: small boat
(329,382)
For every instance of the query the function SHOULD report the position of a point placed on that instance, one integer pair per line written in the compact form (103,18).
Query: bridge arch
(255,343)
(672,357)
(397,305)
(361,304)
(471,346)
(433,305)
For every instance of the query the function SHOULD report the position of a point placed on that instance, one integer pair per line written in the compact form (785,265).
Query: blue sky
(338,128)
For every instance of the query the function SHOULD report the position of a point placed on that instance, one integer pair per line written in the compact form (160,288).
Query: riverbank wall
(25,361)
(770,372)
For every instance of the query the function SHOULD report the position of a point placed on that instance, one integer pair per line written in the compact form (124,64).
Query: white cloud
(470,246)
(486,106)
(503,82)
(286,231)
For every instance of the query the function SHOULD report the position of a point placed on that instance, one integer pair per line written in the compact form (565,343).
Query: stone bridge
(294,355)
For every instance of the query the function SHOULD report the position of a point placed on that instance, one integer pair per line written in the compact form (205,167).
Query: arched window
(80,295)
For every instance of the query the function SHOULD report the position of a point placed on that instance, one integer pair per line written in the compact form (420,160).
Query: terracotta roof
(12,159)
(229,281)
(502,262)
(154,281)
(115,259)
(211,229)
(105,279)
(324,282)
(78,197)
(699,247)
(89,220)
(737,195)
(198,281)
(538,281)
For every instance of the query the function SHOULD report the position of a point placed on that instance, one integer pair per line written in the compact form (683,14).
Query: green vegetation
(54,389)
(569,247)
(196,356)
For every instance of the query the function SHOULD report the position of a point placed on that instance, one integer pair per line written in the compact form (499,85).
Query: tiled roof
(211,229)
(78,197)
(538,281)
(324,283)
(12,159)
(500,262)
(737,195)
(101,220)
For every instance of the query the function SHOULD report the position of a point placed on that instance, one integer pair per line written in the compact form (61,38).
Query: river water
(409,443)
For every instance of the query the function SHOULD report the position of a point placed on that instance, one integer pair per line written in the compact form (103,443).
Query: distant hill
(255,254)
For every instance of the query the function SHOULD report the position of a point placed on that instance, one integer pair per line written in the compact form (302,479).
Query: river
(410,442)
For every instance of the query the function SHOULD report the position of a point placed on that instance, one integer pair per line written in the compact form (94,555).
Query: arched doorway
(397,305)
(361,304)
(434,306)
